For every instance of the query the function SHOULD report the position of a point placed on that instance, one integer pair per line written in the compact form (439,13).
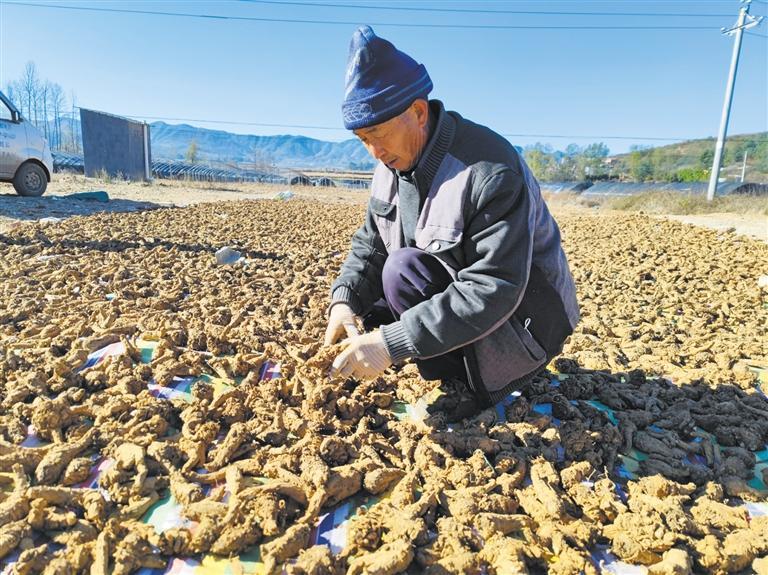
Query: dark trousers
(411,276)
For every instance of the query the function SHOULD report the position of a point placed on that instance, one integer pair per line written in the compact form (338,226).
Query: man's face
(398,142)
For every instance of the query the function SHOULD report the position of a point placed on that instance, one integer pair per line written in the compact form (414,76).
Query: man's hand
(364,356)
(342,320)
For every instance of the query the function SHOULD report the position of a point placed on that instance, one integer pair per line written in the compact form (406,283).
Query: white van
(25,158)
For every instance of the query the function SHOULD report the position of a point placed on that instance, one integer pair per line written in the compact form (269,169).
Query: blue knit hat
(381,81)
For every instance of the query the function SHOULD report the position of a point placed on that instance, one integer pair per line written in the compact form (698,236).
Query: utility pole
(147,162)
(745,22)
(744,166)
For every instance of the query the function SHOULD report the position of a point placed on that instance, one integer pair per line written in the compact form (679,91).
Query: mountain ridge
(173,141)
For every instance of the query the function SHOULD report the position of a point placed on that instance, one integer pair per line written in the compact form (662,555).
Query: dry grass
(565,199)
(686,204)
(670,203)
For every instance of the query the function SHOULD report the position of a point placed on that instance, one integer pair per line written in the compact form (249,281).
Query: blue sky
(530,83)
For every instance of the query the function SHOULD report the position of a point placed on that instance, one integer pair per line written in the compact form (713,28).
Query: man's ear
(421,109)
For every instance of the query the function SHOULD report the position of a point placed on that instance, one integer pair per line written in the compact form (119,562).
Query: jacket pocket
(506,354)
(436,239)
(380,207)
(534,349)
(384,216)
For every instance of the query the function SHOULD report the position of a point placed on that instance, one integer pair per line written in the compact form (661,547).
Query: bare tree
(10,91)
(30,87)
(72,129)
(45,88)
(44,103)
(58,104)
(17,96)
(262,161)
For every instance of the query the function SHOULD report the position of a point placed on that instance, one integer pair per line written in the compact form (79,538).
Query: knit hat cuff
(384,105)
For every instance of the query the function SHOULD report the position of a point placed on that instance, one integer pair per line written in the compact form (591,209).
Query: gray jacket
(512,303)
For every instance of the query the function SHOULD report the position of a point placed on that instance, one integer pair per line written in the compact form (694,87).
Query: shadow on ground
(17,207)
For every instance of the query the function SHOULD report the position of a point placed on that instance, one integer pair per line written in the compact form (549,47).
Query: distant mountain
(171,142)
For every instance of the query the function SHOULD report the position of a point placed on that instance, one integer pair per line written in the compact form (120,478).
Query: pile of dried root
(507,494)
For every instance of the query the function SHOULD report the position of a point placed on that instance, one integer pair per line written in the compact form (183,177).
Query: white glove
(342,320)
(364,356)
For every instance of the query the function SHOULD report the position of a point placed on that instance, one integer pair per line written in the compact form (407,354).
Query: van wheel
(30,180)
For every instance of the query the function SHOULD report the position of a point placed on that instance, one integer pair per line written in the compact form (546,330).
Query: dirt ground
(132,196)
(644,444)
(752,225)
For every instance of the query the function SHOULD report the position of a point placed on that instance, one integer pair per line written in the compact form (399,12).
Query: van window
(5,112)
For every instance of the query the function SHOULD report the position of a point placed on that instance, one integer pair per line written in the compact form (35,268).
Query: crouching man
(459,263)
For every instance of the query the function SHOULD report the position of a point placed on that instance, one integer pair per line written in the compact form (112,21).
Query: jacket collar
(435,150)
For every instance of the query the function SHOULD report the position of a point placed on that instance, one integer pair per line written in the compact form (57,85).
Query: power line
(332,128)
(573,137)
(698,3)
(353,23)
(260,124)
(474,10)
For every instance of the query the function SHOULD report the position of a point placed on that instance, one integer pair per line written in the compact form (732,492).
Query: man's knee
(401,264)
(410,276)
